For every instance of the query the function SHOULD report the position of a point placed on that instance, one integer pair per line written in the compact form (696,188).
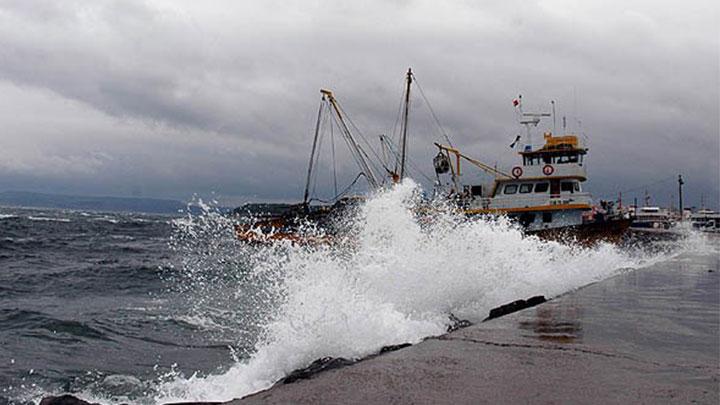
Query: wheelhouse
(557,150)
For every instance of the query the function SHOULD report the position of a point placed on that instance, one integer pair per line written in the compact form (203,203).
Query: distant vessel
(544,194)
(706,220)
(652,219)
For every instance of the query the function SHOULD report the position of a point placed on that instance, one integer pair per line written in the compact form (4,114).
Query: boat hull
(612,230)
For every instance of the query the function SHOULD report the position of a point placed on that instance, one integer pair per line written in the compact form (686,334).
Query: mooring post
(680,199)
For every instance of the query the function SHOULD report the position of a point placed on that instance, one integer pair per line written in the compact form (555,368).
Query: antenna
(553,115)
(530,119)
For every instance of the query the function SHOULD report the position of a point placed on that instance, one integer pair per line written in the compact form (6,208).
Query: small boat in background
(652,219)
(706,220)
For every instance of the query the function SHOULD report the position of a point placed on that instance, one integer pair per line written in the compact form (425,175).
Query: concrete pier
(646,336)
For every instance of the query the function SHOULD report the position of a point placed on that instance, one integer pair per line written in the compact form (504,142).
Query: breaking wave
(399,282)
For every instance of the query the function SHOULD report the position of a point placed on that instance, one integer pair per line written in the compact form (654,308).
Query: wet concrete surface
(647,336)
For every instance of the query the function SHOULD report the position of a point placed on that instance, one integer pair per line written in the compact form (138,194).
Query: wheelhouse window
(567,187)
(511,189)
(542,187)
(526,188)
(532,160)
(568,158)
(553,158)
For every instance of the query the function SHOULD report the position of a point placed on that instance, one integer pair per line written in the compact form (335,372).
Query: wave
(50,219)
(106,219)
(397,285)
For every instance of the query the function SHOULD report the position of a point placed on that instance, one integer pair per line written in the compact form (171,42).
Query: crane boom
(479,164)
(355,149)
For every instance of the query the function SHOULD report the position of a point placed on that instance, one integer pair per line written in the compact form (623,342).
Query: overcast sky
(166,98)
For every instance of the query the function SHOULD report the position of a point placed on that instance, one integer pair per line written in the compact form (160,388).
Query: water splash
(398,283)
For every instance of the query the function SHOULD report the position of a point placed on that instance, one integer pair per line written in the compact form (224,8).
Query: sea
(149,309)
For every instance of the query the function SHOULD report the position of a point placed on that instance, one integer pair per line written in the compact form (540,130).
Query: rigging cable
(332,145)
(355,151)
(432,112)
(319,152)
(359,132)
(338,196)
(410,162)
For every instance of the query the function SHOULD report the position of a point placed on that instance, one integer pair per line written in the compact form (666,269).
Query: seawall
(646,336)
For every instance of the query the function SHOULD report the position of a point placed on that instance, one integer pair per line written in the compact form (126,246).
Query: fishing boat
(316,220)
(543,194)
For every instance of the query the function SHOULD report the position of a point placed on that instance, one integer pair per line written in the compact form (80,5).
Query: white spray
(398,284)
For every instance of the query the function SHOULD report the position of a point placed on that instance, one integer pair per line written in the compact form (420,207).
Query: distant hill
(128,204)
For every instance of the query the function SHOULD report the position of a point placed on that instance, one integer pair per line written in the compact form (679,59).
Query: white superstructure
(544,192)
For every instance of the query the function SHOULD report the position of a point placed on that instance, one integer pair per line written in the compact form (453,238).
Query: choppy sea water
(152,309)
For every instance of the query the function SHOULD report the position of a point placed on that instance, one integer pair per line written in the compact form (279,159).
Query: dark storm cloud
(168,98)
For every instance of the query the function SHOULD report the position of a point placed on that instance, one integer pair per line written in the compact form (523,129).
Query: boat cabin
(554,187)
(557,150)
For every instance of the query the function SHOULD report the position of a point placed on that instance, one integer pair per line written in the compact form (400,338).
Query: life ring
(517,171)
(548,170)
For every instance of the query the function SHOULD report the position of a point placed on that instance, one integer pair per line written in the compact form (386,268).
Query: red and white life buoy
(548,170)
(517,171)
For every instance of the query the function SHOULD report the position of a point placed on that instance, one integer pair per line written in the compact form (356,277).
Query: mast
(403,141)
(355,149)
(312,153)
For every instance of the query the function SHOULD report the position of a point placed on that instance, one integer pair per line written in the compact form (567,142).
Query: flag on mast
(517,101)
